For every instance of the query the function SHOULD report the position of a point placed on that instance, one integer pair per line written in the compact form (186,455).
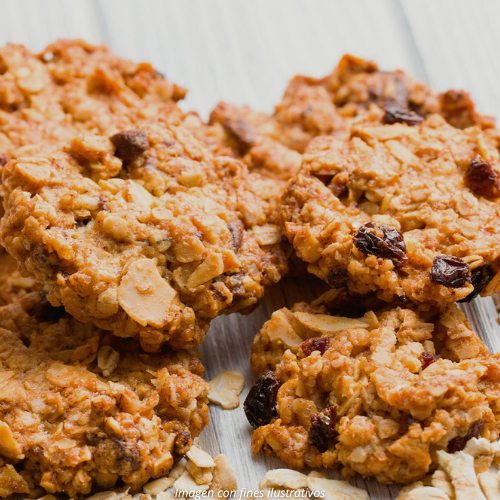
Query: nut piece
(460,468)
(279,328)
(226,388)
(210,268)
(440,480)
(144,295)
(268,234)
(490,484)
(104,495)
(159,485)
(425,493)
(326,323)
(9,447)
(336,490)
(286,478)
(224,476)
(107,360)
(186,484)
(201,458)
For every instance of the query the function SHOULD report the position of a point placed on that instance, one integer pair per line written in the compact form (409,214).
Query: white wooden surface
(244,51)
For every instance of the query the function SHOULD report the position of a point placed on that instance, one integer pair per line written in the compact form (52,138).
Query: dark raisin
(480,277)
(130,144)
(451,272)
(322,428)
(182,442)
(384,242)
(482,179)
(316,344)
(260,404)
(474,431)
(427,358)
(406,422)
(337,278)
(394,114)
(241,131)
(4,158)
(236,230)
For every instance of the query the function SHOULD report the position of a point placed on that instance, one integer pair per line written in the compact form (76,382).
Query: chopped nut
(425,493)
(279,328)
(9,447)
(107,360)
(199,457)
(490,484)
(460,468)
(226,388)
(210,268)
(268,234)
(224,476)
(202,475)
(286,478)
(326,323)
(159,485)
(186,484)
(144,295)
(336,490)
(440,480)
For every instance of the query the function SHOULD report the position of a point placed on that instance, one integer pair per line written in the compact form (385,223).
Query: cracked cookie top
(378,392)
(144,233)
(407,210)
(83,409)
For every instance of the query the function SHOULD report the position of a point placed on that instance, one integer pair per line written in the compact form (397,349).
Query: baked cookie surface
(144,233)
(83,410)
(408,211)
(378,394)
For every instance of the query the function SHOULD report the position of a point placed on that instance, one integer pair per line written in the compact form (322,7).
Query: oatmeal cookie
(144,233)
(378,394)
(409,211)
(71,87)
(271,144)
(83,410)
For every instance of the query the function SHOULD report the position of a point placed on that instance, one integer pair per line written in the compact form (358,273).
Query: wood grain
(244,52)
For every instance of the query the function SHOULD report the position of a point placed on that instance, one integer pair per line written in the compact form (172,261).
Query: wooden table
(244,52)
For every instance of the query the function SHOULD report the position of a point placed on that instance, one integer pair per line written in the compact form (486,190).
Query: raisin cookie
(378,394)
(406,210)
(83,410)
(144,233)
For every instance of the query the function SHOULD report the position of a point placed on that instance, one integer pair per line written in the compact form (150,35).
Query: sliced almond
(460,468)
(145,296)
(425,493)
(199,457)
(278,328)
(224,476)
(9,447)
(159,485)
(440,480)
(490,484)
(268,234)
(387,132)
(187,485)
(210,268)
(326,323)
(336,490)
(226,388)
(286,478)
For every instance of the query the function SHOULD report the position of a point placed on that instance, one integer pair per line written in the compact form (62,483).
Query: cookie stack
(133,224)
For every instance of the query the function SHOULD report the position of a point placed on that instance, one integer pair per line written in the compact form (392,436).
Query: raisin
(394,114)
(244,133)
(322,428)
(427,358)
(4,158)
(315,344)
(337,277)
(451,272)
(384,242)
(130,144)
(482,179)
(260,404)
(480,277)
(406,422)
(458,443)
